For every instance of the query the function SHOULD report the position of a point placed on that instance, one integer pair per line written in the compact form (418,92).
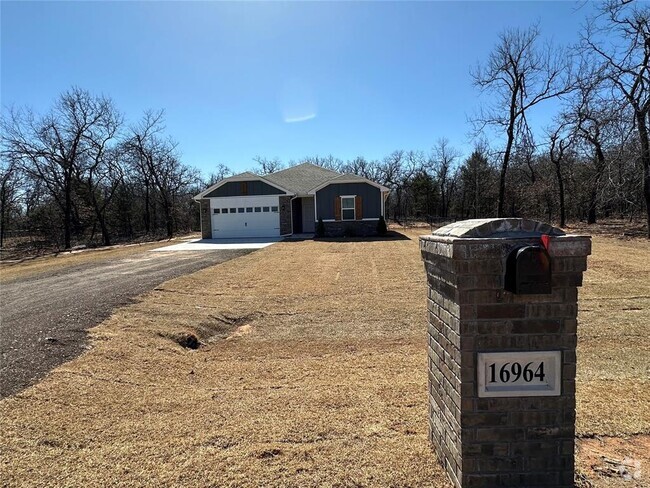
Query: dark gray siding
(234,189)
(370,199)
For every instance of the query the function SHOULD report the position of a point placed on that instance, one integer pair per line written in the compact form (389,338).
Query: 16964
(515,371)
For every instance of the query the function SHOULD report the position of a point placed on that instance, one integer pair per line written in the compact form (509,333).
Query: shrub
(381,226)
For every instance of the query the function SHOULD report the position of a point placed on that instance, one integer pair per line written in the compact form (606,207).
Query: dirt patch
(331,374)
(615,461)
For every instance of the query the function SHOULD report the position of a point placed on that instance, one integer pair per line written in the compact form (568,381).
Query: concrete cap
(481,228)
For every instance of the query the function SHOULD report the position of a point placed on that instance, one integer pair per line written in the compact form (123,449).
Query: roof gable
(302,178)
(246,176)
(348,178)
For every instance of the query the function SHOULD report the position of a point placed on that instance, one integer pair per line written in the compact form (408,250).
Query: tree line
(80,173)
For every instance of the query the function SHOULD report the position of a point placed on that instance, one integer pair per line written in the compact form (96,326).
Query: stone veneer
(351,228)
(508,441)
(285,216)
(206,219)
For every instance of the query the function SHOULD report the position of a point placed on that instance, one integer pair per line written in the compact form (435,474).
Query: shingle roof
(245,174)
(302,178)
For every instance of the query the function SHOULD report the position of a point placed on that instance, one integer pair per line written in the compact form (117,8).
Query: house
(291,201)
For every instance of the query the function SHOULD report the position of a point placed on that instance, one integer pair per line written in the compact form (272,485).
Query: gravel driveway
(43,319)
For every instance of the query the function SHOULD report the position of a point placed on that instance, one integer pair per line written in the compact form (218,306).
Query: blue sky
(282,80)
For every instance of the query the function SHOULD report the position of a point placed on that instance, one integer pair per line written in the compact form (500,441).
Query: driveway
(44,318)
(220,244)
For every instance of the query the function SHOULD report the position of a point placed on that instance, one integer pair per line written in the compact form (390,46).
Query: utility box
(502,301)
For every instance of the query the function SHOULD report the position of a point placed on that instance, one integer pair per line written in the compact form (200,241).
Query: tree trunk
(600,169)
(506,154)
(147,214)
(106,237)
(645,159)
(560,184)
(67,218)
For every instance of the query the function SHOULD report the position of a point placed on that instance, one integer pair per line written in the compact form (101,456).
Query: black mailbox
(528,271)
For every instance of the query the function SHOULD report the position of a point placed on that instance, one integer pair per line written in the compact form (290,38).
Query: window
(224,210)
(347,208)
(265,209)
(240,210)
(258,209)
(274,209)
(216,210)
(233,210)
(249,209)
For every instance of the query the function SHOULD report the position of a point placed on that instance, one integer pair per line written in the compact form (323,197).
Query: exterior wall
(285,216)
(206,218)
(308,222)
(253,187)
(370,199)
(351,228)
(509,441)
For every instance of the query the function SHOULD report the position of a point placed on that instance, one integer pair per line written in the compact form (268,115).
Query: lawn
(312,373)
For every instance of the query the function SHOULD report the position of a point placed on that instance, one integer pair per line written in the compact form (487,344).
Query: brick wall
(511,441)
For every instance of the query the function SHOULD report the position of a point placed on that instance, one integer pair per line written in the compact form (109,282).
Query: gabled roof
(302,178)
(245,176)
(348,178)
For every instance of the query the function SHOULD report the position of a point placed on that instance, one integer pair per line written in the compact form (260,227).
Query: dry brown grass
(313,373)
(613,348)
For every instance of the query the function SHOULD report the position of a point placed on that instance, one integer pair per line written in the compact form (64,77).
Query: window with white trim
(347,208)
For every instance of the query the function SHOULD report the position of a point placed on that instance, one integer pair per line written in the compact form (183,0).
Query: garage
(245,216)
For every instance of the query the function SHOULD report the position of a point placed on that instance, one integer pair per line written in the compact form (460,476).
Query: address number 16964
(532,373)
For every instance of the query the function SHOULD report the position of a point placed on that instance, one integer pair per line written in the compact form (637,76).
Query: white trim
(363,220)
(238,179)
(354,207)
(341,179)
(291,208)
(384,197)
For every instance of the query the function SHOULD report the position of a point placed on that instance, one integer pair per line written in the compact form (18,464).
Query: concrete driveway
(221,244)
(44,318)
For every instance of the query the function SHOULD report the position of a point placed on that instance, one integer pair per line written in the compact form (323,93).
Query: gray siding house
(289,202)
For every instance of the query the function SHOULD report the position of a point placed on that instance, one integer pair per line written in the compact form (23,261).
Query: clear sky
(283,80)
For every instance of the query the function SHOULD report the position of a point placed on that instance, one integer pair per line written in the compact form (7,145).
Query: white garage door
(253,216)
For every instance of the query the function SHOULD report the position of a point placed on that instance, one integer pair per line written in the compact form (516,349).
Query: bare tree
(100,172)
(222,171)
(267,165)
(10,183)
(519,74)
(159,163)
(53,147)
(441,163)
(560,142)
(619,37)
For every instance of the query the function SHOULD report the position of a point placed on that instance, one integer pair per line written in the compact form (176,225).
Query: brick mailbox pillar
(502,301)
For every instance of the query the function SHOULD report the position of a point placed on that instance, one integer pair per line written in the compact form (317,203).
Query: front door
(296,211)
